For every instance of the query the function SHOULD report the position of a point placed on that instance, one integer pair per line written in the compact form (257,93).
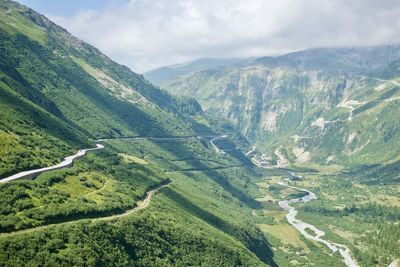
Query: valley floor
(364,217)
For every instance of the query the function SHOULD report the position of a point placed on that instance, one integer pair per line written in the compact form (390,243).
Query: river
(302,226)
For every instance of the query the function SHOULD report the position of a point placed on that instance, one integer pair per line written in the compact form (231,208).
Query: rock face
(345,100)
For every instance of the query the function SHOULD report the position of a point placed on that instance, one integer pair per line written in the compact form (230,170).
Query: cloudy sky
(145,34)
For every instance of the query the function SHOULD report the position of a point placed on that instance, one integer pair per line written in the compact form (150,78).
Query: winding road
(302,226)
(67,162)
(285,204)
(250,151)
(215,139)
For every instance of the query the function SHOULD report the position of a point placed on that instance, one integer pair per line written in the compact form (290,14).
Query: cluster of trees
(385,239)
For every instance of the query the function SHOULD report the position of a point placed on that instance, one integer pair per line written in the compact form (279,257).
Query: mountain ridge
(164,74)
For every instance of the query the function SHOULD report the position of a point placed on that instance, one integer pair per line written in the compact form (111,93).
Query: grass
(82,184)
(208,205)
(13,22)
(56,93)
(132,159)
(286,234)
(51,106)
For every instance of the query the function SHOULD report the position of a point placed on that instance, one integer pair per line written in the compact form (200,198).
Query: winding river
(302,226)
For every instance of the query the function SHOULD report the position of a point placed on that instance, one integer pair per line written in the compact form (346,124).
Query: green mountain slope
(209,206)
(57,95)
(79,86)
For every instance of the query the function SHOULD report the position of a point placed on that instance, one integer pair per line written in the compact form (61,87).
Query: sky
(146,34)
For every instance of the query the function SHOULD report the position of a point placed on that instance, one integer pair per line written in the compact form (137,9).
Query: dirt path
(69,160)
(140,206)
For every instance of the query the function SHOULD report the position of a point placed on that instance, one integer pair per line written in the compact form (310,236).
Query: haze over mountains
(355,59)
(272,161)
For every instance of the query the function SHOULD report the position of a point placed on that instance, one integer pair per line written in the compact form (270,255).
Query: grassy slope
(45,68)
(31,137)
(49,78)
(208,210)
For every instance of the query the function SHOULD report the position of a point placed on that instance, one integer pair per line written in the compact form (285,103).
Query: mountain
(324,122)
(72,84)
(325,105)
(159,179)
(161,75)
(58,95)
(354,60)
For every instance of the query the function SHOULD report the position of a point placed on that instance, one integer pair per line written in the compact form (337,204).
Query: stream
(302,226)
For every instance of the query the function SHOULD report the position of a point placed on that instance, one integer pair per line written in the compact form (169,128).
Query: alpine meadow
(289,158)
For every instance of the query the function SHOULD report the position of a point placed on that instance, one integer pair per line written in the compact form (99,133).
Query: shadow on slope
(250,236)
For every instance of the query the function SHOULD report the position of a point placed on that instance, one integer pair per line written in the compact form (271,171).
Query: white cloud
(145,34)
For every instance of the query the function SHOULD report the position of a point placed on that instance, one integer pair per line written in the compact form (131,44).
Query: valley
(291,160)
(336,128)
(305,228)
